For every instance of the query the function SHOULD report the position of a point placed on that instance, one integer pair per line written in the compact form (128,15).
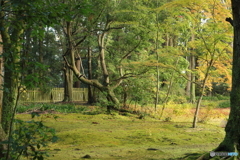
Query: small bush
(210,98)
(177,99)
(212,104)
(26,107)
(62,108)
(167,119)
(221,97)
(224,104)
(28,138)
(22,109)
(207,113)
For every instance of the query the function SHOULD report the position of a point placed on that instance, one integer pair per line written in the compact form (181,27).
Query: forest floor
(127,136)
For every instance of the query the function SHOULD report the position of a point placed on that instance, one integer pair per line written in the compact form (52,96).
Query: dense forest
(144,52)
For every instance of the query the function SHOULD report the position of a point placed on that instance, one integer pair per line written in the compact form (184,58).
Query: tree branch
(229,19)
(79,42)
(126,55)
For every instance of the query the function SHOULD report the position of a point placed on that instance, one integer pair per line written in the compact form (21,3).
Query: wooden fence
(55,95)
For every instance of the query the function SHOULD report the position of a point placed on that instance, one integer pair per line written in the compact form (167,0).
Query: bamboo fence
(54,95)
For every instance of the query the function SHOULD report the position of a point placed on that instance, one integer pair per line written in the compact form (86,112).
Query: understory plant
(28,140)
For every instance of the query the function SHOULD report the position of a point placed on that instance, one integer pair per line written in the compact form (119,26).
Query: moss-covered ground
(126,136)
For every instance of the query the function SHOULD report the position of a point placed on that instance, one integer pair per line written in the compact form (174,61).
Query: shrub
(210,98)
(167,119)
(206,114)
(62,108)
(26,107)
(28,138)
(221,97)
(224,104)
(174,99)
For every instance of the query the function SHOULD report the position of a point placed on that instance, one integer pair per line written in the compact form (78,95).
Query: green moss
(110,137)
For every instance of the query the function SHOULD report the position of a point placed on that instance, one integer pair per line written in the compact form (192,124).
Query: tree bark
(68,84)
(2,132)
(1,75)
(157,67)
(103,65)
(188,85)
(3,137)
(91,95)
(190,89)
(232,138)
(40,59)
(192,84)
(11,48)
(78,65)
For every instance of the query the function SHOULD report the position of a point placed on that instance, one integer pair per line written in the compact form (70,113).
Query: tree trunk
(195,118)
(232,138)
(40,59)
(91,96)
(68,84)
(1,79)
(188,85)
(2,133)
(3,137)
(78,65)
(11,48)
(192,84)
(190,90)
(104,85)
(157,67)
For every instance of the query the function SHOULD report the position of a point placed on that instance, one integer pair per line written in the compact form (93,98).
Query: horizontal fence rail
(54,95)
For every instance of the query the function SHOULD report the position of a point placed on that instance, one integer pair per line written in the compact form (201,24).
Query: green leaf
(33,114)
(40,157)
(54,139)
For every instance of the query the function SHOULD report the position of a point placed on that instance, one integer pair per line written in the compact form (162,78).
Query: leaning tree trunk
(195,118)
(78,65)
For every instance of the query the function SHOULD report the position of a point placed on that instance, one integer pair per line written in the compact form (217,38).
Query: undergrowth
(171,111)
(28,139)
(61,108)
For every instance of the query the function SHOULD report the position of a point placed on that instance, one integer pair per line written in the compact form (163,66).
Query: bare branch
(79,42)
(126,55)
(66,61)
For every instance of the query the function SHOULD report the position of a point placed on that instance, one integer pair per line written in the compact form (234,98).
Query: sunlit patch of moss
(114,136)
